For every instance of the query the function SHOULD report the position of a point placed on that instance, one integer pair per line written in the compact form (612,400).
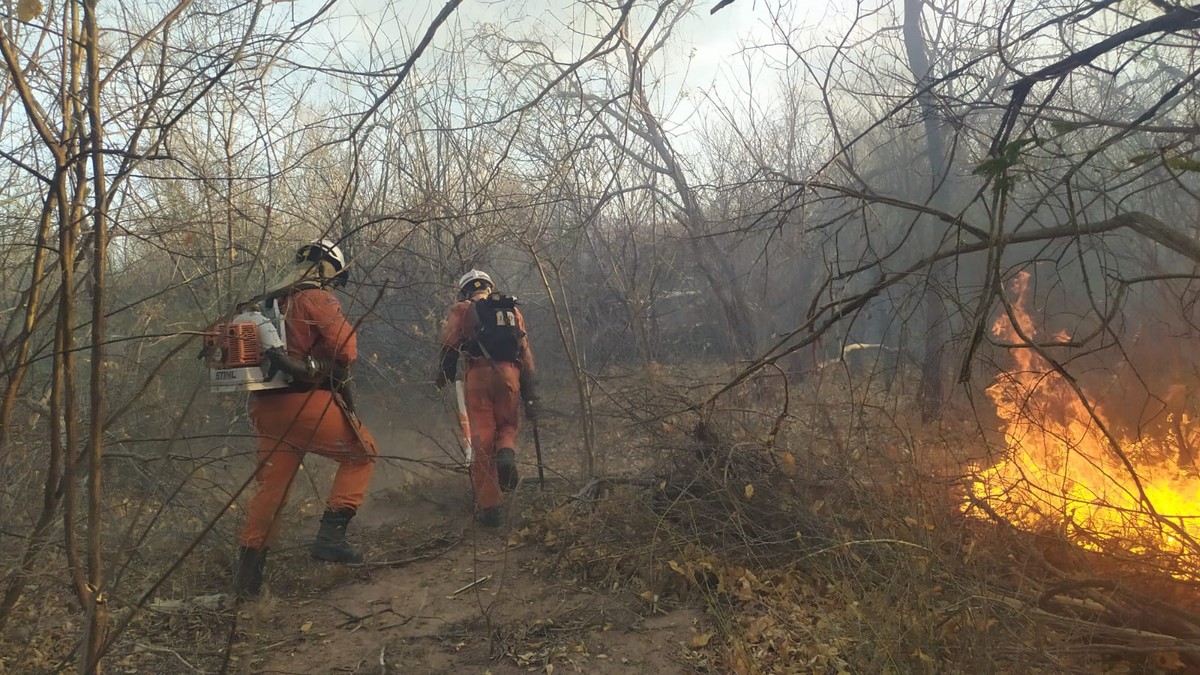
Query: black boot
(506,469)
(331,542)
(248,577)
(493,517)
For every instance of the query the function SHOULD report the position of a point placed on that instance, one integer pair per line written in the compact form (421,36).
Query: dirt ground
(417,610)
(437,594)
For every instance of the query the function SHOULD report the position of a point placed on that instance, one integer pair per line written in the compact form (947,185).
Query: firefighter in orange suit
(489,331)
(313,414)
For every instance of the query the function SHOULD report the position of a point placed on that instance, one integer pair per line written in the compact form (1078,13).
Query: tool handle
(537,449)
(464,422)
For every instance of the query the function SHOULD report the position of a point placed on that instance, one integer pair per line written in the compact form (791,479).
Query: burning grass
(1070,465)
(836,542)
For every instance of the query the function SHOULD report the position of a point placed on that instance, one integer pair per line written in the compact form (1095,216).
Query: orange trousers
(493,406)
(288,426)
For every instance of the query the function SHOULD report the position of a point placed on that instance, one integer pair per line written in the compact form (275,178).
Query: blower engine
(236,351)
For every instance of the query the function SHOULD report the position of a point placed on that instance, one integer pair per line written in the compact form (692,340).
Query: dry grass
(821,533)
(837,542)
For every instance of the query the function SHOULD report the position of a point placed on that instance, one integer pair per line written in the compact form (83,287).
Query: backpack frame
(498,333)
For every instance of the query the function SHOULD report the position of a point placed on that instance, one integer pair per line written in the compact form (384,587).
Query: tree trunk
(96,623)
(566,333)
(932,388)
(713,262)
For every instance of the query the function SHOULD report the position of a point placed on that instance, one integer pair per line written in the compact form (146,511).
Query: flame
(1068,467)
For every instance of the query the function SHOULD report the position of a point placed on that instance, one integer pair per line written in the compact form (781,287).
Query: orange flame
(1066,467)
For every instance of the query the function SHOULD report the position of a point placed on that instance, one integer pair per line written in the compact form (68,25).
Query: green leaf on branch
(1183,164)
(997,168)
(991,167)
(1138,160)
(1012,150)
(1061,127)
(1010,156)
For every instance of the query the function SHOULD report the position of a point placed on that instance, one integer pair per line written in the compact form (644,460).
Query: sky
(701,46)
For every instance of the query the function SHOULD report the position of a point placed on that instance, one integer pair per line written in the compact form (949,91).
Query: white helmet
(473,281)
(325,251)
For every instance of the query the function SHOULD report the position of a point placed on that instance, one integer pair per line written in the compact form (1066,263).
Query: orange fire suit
(493,393)
(306,418)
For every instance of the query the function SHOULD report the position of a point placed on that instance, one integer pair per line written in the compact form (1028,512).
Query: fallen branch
(1122,625)
(591,491)
(167,650)
(199,603)
(449,545)
(471,585)
(352,618)
(295,638)
(1138,639)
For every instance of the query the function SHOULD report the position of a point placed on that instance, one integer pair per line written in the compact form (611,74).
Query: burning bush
(1088,460)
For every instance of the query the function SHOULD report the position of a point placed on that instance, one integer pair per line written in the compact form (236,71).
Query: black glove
(531,409)
(528,389)
(268,367)
(448,369)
